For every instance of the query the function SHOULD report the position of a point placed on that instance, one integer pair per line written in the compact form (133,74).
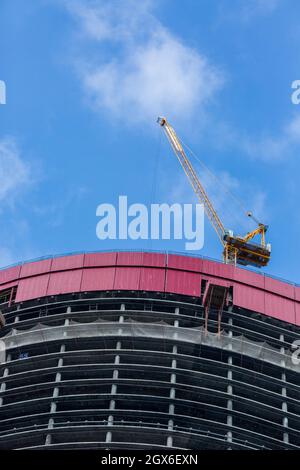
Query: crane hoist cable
(225,187)
(215,177)
(236,249)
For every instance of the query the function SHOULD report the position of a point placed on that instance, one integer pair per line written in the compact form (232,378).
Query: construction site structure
(236,249)
(141,350)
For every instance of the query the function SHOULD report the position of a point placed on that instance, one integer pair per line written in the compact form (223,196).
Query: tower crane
(236,249)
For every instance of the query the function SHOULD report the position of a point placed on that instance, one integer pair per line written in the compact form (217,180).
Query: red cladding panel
(100,259)
(146,271)
(64,282)
(67,262)
(278,307)
(154,259)
(32,288)
(97,279)
(152,279)
(218,269)
(183,282)
(279,287)
(297,305)
(9,274)
(127,278)
(129,259)
(8,285)
(37,267)
(249,278)
(249,298)
(187,263)
(218,281)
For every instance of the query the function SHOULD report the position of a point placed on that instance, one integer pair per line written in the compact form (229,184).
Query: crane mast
(236,249)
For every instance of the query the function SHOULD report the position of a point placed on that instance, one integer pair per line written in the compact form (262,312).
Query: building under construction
(147,351)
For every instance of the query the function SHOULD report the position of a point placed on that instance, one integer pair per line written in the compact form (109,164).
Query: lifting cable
(215,177)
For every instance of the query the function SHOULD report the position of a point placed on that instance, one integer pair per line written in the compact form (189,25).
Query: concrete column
(60,360)
(53,407)
(110,421)
(3,384)
(172,395)
(114,386)
(121,320)
(53,404)
(112,404)
(3,387)
(284,407)
(229,385)
(57,379)
(67,323)
(51,423)
(176,325)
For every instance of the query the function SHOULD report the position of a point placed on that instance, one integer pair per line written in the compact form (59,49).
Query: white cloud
(2,92)
(253,8)
(264,146)
(292,130)
(244,11)
(14,172)
(270,148)
(150,71)
(15,176)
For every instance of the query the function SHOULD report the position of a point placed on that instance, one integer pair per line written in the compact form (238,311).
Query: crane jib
(235,249)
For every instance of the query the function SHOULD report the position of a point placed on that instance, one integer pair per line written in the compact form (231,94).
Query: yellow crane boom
(236,249)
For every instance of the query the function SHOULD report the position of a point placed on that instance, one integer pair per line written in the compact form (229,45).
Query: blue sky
(85,82)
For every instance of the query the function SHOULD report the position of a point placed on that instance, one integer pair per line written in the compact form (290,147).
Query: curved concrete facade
(151,272)
(119,350)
